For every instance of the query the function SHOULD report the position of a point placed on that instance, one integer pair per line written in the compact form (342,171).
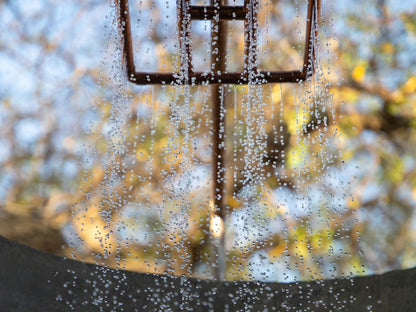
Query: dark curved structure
(34,281)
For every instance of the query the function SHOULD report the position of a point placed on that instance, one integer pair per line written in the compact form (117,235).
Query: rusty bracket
(186,14)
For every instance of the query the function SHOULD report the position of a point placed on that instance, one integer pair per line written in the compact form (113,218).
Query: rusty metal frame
(187,13)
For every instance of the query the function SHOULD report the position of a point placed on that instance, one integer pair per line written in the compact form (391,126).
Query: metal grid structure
(218,12)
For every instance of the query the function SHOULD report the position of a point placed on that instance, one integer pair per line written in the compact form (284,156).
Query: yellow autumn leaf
(142,154)
(131,177)
(162,143)
(388,48)
(410,85)
(93,230)
(277,93)
(353,204)
(301,249)
(95,177)
(233,202)
(276,251)
(297,155)
(358,73)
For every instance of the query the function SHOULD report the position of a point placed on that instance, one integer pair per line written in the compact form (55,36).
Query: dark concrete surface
(34,281)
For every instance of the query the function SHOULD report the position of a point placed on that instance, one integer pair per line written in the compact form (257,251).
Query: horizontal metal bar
(199,78)
(224,12)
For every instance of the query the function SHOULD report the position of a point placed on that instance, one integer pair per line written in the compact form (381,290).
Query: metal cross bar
(225,12)
(186,75)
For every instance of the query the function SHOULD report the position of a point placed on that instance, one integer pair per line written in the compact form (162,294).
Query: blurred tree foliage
(321,180)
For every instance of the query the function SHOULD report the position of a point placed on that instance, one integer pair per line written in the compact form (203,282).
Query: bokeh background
(95,168)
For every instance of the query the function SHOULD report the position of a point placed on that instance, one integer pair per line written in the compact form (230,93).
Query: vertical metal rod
(312,21)
(250,38)
(126,35)
(218,54)
(184,29)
